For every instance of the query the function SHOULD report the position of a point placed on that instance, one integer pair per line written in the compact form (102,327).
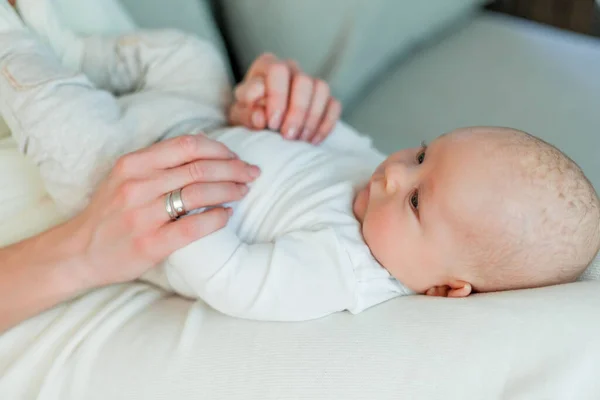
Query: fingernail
(254,171)
(256,119)
(316,140)
(229,211)
(305,134)
(233,156)
(243,189)
(275,121)
(291,133)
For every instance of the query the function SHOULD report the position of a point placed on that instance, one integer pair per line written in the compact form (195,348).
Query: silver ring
(177,203)
(169,207)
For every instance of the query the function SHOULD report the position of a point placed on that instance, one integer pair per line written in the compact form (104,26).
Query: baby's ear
(453,289)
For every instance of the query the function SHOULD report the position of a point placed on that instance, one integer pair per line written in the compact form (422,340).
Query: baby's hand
(277,95)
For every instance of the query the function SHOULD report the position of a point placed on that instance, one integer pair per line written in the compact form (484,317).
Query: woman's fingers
(252,117)
(276,75)
(186,230)
(249,109)
(316,112)
(211,194)
(300,100)
(171,153)
(261,65)
(239,115)
(135,192)
(332,115)
(295,104)
(278,89)
(200,171)
(258,117)
(250,91)
(294,66)
(194,196)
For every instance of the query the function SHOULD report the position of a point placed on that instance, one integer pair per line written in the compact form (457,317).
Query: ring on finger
(177,203)
(174,205)
(169,206)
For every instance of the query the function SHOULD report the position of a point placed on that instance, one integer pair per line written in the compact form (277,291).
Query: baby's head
(480,209)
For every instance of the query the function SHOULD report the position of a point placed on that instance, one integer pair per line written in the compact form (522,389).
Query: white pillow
(25,207)
(4,131)
(592,273)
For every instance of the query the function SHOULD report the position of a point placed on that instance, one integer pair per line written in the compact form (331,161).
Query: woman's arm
(39,273)
(125,230)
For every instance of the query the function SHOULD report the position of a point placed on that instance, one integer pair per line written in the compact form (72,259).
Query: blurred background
(577,15)
(410,70)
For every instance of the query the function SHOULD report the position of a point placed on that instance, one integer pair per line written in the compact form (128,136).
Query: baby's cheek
(382,237)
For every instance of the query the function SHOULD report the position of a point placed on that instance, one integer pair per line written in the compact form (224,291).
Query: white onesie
(292,250)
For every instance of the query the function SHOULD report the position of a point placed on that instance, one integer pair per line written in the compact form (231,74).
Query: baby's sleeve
(299,276)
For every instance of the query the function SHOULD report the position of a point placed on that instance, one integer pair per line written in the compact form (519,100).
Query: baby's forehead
(471,178)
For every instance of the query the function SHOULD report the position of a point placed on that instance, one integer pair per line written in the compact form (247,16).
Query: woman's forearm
(37,274)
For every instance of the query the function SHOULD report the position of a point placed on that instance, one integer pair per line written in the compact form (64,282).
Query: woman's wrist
(70,267)
(39,273)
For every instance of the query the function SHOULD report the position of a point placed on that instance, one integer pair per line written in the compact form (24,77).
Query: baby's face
(417,210)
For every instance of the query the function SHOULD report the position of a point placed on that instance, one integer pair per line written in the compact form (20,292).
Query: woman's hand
(126,230)
(276,95)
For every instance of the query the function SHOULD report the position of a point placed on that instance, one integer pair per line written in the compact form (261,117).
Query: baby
(478,210)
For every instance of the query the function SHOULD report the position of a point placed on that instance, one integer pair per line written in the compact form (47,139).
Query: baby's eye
(421,156)
(414,200)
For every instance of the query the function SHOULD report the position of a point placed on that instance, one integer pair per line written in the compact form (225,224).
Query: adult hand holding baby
(125,230)
(277,95)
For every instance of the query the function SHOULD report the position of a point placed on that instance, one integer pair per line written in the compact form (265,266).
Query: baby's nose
(399,174)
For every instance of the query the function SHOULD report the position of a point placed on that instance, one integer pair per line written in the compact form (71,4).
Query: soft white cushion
(346,42)
(131,342)
(25,208)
